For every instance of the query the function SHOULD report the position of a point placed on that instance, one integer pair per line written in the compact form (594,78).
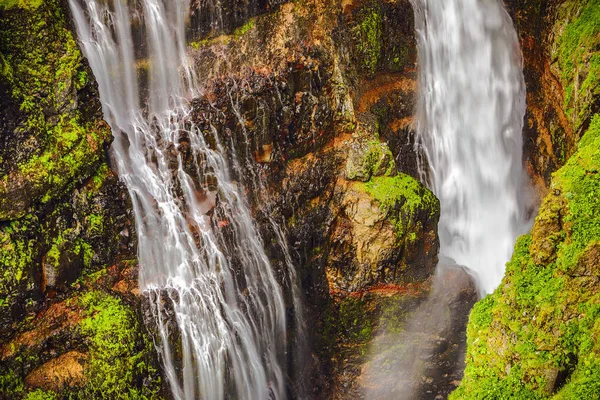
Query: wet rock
(315,113)
(55,375)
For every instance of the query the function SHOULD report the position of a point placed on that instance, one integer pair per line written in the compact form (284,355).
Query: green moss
(379,158)
(25,4)
(247,27)
(371,159)
(353,325)
(579,57)
(581,187)
(354,322)
(393,313)
(403,198)
(370,37)
(17,253)
(11,383)
(119,353)
(42,67)
(41,395)
(219,40)
(120,362)
(545,317)
(96,223)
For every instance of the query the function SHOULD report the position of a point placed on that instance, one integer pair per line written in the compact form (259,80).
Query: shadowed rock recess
(313,102)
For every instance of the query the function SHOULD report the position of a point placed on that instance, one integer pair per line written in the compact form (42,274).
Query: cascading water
(470,121)
(201,258)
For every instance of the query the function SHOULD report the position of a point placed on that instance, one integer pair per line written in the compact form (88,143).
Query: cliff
(316,101)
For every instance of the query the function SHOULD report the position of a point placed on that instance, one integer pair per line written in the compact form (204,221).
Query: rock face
(65,326)
(315,102)
(536,336)
(560,71)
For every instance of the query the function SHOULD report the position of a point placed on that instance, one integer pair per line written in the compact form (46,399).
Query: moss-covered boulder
(89,345)
(385,232)
(369,159)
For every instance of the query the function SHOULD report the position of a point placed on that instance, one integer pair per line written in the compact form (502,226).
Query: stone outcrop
(314,100)
(560,66)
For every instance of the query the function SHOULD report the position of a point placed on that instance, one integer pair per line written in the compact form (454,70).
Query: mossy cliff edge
(69,322)
(537,336)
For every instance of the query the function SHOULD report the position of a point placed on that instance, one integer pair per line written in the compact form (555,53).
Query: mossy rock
(407,202)
(366,160)
(382,37)
(578,52)
(45,251)
(51,121)
(537,335)
(91,346)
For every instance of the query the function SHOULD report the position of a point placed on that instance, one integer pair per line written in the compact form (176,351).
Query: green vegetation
(120,363)
(247,27)
(372,159)
(354,321)
(17,253)
(41,65)
(25,4)
(40,395)
(371,37)
(537,335)
(579,57)
(119,352)
(404,199)
(225,39)
(358,317)
(55,145)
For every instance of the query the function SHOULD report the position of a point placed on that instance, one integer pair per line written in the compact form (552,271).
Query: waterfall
(218,308)
(470,120)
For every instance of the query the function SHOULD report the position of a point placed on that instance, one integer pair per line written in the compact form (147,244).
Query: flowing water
(470,121)
(470,118)
(218,308)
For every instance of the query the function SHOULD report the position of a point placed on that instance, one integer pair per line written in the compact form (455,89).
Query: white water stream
(202,260)
(470,122)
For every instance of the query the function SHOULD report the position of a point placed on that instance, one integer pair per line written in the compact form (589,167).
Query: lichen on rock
(369,159)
